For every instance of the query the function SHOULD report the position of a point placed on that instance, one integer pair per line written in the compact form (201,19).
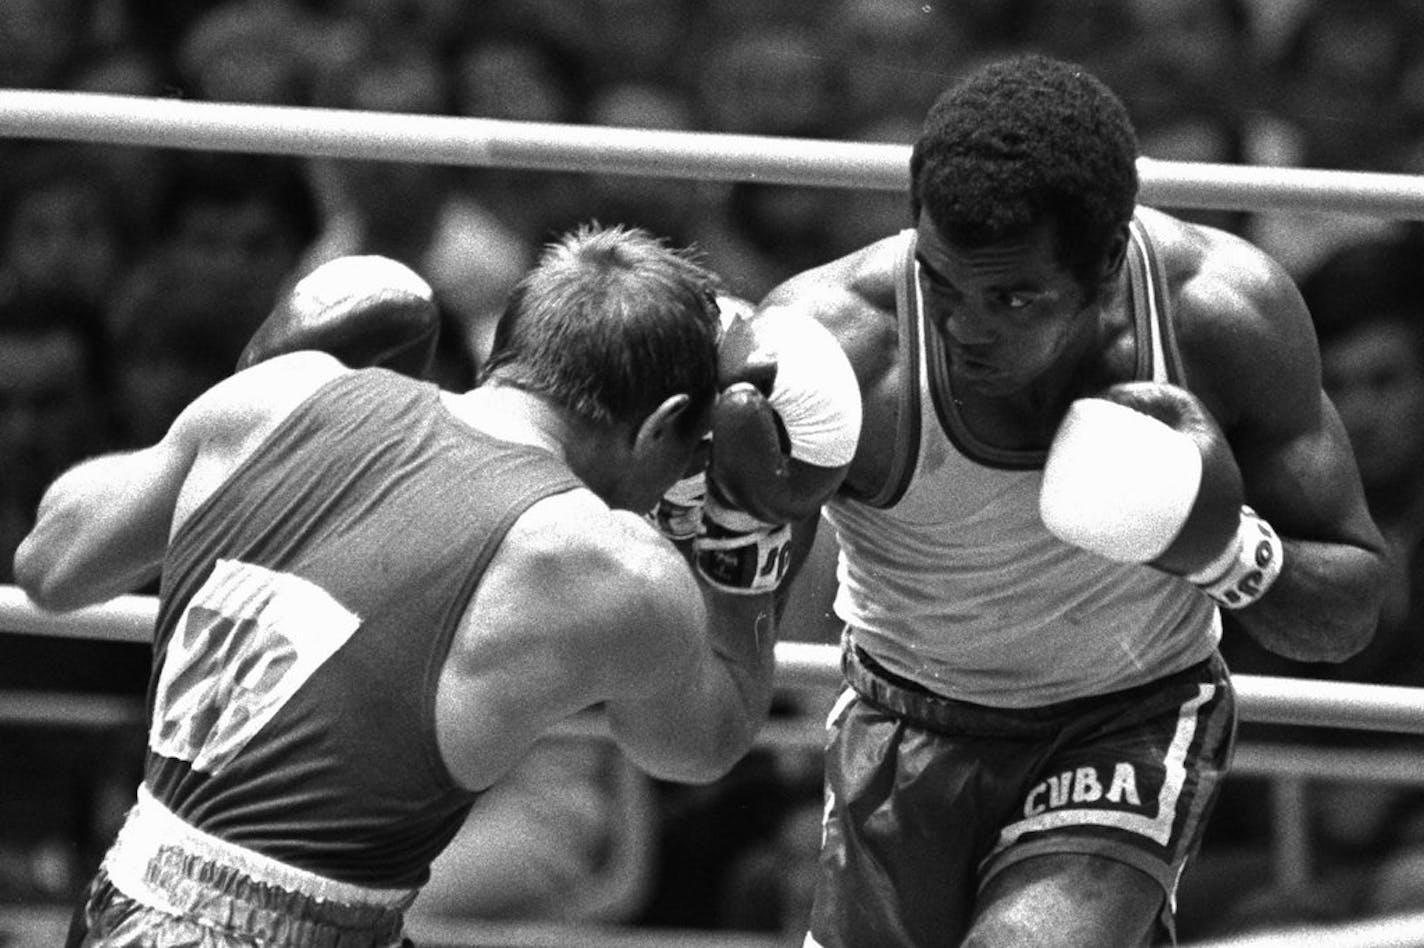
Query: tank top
(306,610)
(948,576)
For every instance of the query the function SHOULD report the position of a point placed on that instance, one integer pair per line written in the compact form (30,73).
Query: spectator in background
(52,413)
(770,82)
(894,58)
(1367,302)
(42,38)
(677,209)
(173,332)
(64,236)
(434,25)
(1339,105)
(1096,33)
(250,51)
(862,215)
(51,405)
(1340,78)
(1195,75)
(642,40)
(245,222)
(233,229)
(128,67)
(523,71)
(418,214)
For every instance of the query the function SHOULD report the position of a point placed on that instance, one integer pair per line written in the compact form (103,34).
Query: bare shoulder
(854,297)
(251,402)
(598,593)
(1244,331)
(228,423)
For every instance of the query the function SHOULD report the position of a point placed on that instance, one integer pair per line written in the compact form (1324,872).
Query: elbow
(696,773)
(1354,630)
(49,596)
(709,762)
(1359,630)
(32,576)
(1354,637)
(42,579)
(689,769)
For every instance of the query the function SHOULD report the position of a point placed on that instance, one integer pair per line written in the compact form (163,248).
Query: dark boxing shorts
(927,798)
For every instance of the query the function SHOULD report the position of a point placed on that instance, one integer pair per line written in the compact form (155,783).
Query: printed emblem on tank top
(246,643)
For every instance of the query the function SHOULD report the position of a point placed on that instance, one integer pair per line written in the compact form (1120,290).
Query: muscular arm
(704,697)
(1252,355)
(102,527)
(583,606)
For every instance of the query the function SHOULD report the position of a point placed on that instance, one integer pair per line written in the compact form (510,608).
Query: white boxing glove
(811,389)
(1143,474)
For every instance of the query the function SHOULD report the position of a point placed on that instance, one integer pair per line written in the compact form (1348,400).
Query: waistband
(934,712)
(164,863)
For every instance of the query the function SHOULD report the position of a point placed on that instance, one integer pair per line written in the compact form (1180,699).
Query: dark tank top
(306,611)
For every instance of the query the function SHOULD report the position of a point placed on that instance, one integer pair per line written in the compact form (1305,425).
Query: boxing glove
(1142,473)
(365,310)
(734,549)
(807,382)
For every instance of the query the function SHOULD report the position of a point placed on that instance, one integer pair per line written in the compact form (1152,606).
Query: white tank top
(949,578)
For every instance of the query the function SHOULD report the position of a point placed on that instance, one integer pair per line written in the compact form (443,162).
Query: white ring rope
(1298,701)
(310,132)
(435,139)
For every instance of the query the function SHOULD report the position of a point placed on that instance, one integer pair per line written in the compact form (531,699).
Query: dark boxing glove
(735,550)
(365,310)
(807,381)
(1143,474)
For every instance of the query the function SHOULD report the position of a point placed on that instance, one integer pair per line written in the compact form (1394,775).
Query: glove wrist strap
(738,553)
(1248,566)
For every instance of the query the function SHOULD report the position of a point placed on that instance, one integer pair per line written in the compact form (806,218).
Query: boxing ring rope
(1305,702)
(587,149)
(435,139)
(335,133)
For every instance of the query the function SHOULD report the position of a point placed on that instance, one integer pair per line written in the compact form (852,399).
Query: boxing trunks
(165,883)
(928,798)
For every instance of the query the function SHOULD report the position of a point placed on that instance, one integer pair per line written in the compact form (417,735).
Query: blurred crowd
(131,277)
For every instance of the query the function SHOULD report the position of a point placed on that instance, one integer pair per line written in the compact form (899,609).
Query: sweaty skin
(1023,344)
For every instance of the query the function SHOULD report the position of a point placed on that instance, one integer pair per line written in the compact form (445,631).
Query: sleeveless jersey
(950,579)
(305,613)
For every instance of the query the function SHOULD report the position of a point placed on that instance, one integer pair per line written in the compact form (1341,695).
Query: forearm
(742,635)
(712,710)
(82,548)
(1323,607)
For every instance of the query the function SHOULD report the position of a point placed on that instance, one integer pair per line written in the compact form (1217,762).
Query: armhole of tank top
(531,494)
(1162,362)
(906,445)
(296,416)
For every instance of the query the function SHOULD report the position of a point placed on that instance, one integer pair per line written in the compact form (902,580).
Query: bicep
(103,526)
(1303,478)
(1296,462)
